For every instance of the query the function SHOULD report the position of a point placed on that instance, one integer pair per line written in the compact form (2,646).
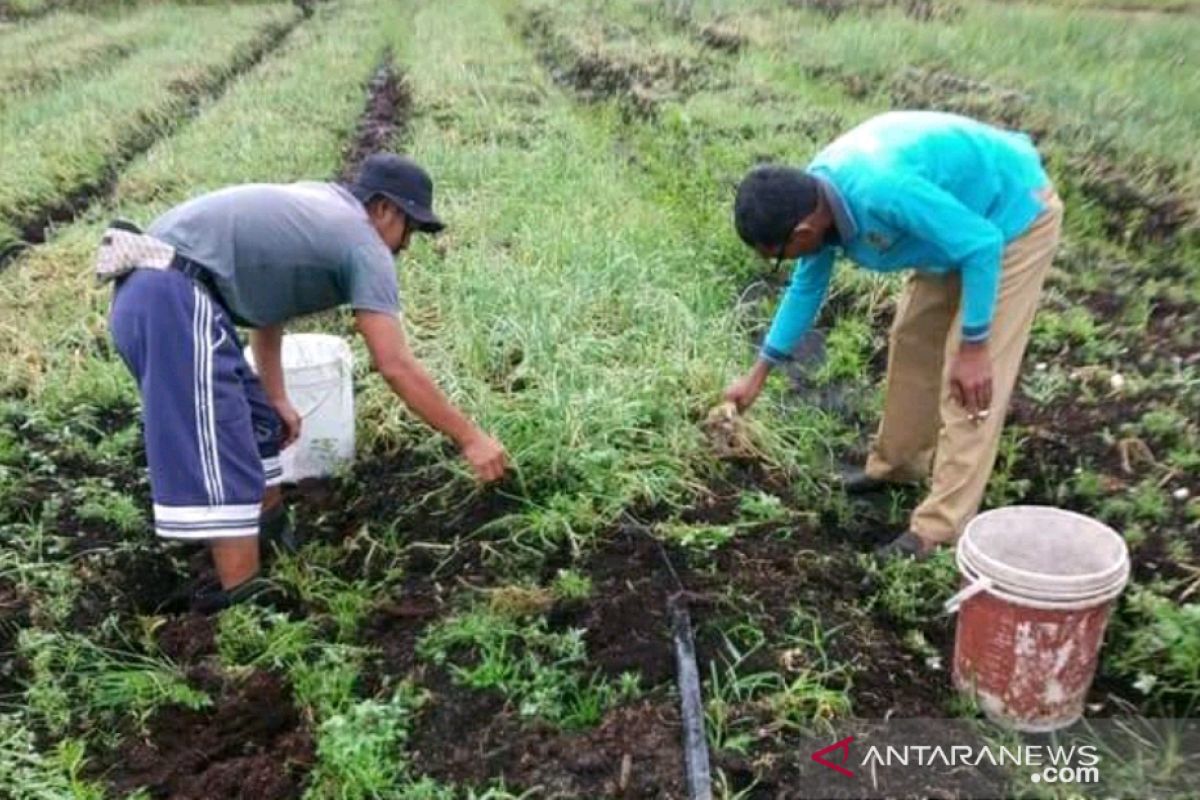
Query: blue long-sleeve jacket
(918,190)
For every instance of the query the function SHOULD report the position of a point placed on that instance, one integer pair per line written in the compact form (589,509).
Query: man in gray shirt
(259,255)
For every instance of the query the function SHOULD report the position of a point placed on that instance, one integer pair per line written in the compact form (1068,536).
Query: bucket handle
(315,407)
(308,412)
(952,605)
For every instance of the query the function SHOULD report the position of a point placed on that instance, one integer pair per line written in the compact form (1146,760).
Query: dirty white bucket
(318,372)
(1039,584)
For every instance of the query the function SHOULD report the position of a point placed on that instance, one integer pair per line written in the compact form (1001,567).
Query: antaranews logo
(842,747)
(1077,764)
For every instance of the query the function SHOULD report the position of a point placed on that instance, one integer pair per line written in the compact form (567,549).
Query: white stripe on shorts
(272,471)
(206,522)
(202,362)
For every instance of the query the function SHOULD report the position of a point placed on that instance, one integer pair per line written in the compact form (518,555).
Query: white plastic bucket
(318,372)
(1039,584)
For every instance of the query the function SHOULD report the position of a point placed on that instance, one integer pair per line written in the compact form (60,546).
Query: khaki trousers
(922,424)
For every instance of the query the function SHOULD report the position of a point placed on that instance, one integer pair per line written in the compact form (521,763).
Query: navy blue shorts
(212,439)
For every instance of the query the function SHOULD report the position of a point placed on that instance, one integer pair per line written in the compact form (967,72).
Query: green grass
(1108,77)
(49,52)
(66,140)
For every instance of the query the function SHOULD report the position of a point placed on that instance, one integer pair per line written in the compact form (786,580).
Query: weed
(762,506)
(542,671)
(250,636)
(29,773)
(119,511)
(1157,643)
(700,537)
(911,592)
(360,751)
(742,707)
(73,678)
(570,584)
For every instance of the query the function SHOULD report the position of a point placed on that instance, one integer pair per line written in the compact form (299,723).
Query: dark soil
(251,744)
(394,628)
(187,639)
(124,581)
(388,105)
(35,225)
(470,739)
(1066,436)
(625,621)
(415,494)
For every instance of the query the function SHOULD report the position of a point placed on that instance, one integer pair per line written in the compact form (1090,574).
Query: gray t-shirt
(279,251)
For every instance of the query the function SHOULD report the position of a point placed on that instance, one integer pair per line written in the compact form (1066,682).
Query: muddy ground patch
(384,117)
(251,745)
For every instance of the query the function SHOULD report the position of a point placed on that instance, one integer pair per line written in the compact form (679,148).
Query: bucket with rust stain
(1039,584)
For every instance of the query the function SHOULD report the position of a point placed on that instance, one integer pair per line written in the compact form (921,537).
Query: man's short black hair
(771,201)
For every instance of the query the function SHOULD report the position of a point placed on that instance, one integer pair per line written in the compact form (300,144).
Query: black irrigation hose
(695,743)
(691,701)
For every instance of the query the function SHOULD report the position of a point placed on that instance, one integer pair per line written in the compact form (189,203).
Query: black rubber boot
(275,532)
(211,598)
(906,545)
(857,481)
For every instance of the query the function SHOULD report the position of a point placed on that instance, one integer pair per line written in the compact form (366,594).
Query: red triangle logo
(844,748)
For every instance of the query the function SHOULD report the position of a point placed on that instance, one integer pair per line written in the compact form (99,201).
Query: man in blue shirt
(969,209)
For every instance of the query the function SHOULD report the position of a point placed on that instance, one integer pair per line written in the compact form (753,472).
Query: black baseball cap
(402,181)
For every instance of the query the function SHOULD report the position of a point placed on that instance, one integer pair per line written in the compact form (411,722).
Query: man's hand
(971,380)
(291,421)
(486,456)
(746,389)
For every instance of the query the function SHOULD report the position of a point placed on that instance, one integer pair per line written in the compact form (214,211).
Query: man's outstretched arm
(394,360)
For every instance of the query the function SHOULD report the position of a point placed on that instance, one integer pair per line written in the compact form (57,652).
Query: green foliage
(698,536)
(250,636)
(75,679)
(325,682)
(103,505)
(848,351)
(28,772)
(744,705)
(762,506)
(1156,643)
(543,672)
(360,751)
(570,584)
(911,591)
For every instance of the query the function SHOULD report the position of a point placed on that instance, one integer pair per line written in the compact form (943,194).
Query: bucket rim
(1018,595)
(1019,576)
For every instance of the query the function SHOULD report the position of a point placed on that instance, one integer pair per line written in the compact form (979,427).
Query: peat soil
(469,737)
(388,106)
(250,744)
(192,95)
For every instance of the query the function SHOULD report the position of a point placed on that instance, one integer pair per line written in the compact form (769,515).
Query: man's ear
(805,236)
